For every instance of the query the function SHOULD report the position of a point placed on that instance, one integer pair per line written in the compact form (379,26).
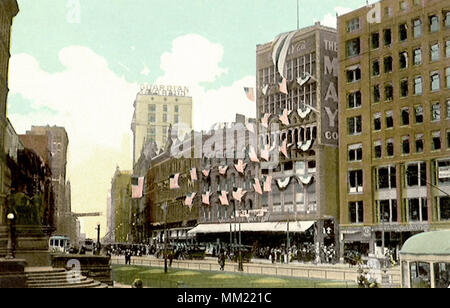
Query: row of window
(152,108)
(353,46)
(414,209)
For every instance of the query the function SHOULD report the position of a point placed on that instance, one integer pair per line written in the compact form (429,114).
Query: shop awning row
(294,226)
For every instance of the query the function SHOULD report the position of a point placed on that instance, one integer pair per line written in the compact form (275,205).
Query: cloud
(92,103)
(330,20)
(194,61)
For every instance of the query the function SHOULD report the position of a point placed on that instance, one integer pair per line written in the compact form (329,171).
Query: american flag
(223,170)
(190,199)
(268,183)
(283,86)
(283,148)
(250,94)
(205,172)
(205,197)
(137,184)
(238,194)
(240,167)
(223,198)
(252,155)
(265,152)
(173,181)
(265,120)
(265,89)
(284,117)
(257,186)
(250,127)
(193,174)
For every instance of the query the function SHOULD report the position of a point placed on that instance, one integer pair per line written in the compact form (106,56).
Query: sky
(80,63)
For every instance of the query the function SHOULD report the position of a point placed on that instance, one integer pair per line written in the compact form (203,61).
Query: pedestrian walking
(221,259)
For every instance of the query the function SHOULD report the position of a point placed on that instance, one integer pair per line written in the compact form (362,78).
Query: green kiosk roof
(428,243)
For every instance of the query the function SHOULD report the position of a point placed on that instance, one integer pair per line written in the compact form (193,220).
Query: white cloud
(145,71)
(194,60)
(92,103)
(330,19)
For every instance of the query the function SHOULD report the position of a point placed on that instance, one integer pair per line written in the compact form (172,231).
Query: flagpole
(297,16)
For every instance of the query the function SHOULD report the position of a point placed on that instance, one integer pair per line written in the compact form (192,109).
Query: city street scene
(225,144)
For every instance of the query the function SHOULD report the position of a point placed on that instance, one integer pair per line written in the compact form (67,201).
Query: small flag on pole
(257,186)
(190,199)
(205,197)
(250,93)
(137,185)
(173,181)
(265,89)
(223,198)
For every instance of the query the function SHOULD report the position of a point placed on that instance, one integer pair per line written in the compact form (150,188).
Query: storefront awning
(294,226)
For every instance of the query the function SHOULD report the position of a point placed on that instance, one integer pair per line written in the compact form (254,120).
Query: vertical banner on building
(329,73)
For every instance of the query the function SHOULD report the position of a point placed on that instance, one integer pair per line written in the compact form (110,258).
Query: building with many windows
(394,122)
(303,117)
(155,109)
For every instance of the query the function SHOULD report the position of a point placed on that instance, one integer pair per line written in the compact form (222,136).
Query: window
(175,118)
(152,108)
(355,152)
(405,116)
(377,121)
(448,108)
(435,112)
(404,88)
(387,34)
(353,47)
(403,59)
(419,143)
(354,99)
(418,85)
(355,181)
(377,149)
(434,23)
(389,119)
(435,80)
(164,108)
(387,210)
(417,28)
(434,52)
(441,275)
(356,212)
(354,125)
(444,211)
(447,77)
(436,141)
(405,145)
(416,174)
(376,93)
(420,275)
(418,56)
(417,209)
(418,114)
(388,64)
(353,73)
(375,68)
(403,32)
(448,139)
(151,133)
(447,48)
(387,11)
(403,5)
(443,171)
(388,92)
(353,25)
(165,117)
(447,19)
(390,147)
(151,118)
(385,177)
(375,40)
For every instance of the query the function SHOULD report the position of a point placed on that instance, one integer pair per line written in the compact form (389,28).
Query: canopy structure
(294,226)
(428,243)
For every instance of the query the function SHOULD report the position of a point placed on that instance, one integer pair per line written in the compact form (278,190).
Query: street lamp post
(165,237)
(9,248)
(98,238)
(240,266)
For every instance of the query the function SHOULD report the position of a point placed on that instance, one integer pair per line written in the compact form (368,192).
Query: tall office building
(394,122)
(306,60)
(156,108)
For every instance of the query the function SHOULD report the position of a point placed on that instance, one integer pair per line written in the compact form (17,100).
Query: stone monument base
(12,273)
(31,244)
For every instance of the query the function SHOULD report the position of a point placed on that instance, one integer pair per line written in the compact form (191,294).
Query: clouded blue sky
(79,64)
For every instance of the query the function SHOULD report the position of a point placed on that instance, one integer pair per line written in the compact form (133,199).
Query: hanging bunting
(240,167)
(307,145)
(283,183)
(305,179)
(193,174)
(304,113)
